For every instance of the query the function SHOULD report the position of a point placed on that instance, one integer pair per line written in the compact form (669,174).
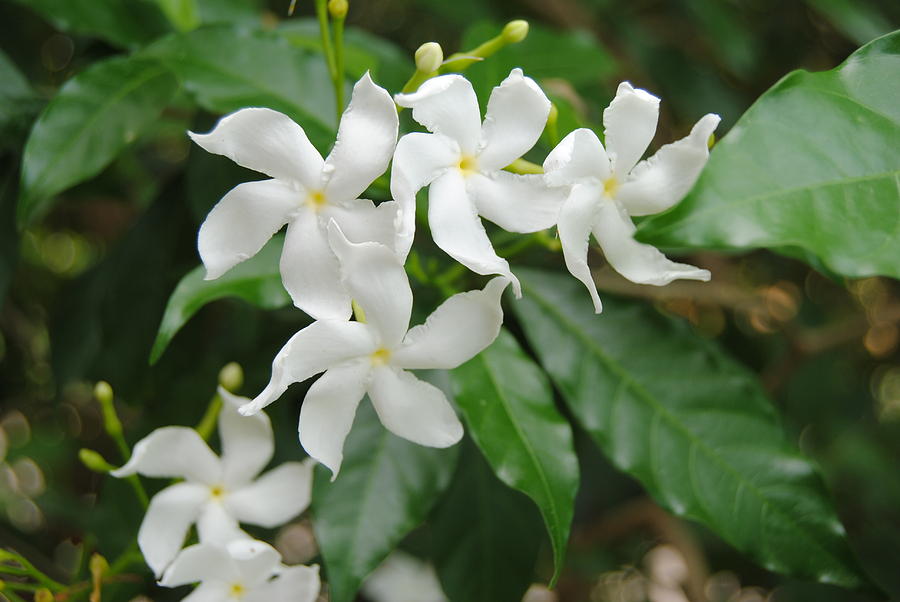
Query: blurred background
(82,292)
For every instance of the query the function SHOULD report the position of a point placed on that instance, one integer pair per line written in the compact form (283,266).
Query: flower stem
(104,394)
(208,423)
(339,64)
(521,166)
(328,51)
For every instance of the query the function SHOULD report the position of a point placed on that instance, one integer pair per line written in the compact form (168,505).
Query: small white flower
(463,162)
(246,570)
(305,193)
(607,186)
(403,578)
(216,493)
(373,357)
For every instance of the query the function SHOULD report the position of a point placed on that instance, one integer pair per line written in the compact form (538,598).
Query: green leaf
(19,104)
(859,20)
(257,281)
(125,23)
(813,164)
(508,406)
(485,535)
(695,427)
(182,13)
(230,11)
(386,488)
(95,115)
(227,68)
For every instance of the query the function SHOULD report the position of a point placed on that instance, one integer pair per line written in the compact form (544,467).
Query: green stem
(519,245)
(521,166)
(328,50)
(339,65)
(30,570)
(208,423)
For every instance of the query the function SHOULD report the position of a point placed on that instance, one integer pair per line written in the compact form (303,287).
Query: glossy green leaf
(485,536)
(814,164)
(671,409)
(386,488)
(227,68)
(508,406)
(183,14)
(257,281)
(230,11)
(95,115)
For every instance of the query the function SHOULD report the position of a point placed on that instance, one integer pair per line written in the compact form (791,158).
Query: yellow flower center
(610,187)
(468,165)
(316,199)
(237,590)
(380,356)
(217,491)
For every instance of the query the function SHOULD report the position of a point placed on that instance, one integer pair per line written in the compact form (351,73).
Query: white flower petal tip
(579,156)
(626,89)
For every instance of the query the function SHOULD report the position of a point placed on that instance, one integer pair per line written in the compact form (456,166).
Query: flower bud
(429,57)
(231,377)
(103,392)
(711,141)
(94,461)
(43,595)
(338,8)
(515,31)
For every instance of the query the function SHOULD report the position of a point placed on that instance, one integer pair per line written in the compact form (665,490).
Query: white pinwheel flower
(463,162)
(373,357)
(246,570)
(607,186)
(217,493)
(305,192)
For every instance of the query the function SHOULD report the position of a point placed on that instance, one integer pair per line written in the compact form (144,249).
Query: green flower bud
(103,392)
(338,8)
(231,377)
(429,57)
(43,595)
(94,461)
(515,31)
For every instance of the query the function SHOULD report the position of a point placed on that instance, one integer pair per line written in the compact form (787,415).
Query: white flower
(403,578)
(246,570)
(216,493)
(373,357)
(463,161)
(305,193)
(609,185)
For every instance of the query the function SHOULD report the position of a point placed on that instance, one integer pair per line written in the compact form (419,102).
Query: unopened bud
(231,377)
(94,461)
(103,392)
(429,57)
(711,141)
(553,115)
(515,31)
(98,564)
(43,595)
(338,8)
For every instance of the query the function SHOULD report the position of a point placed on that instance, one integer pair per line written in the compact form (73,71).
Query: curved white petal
(247,441)
(457,230)
(418,160)
(376,280)
(242,222)
(578,156)
(266,141)
(328,410)
(294,583)
(216,525)
(413,409)
(256,561)
(458,330)
(309,270)
(274,498)
(636,261)
(200,562)
(516,203)
(516,115)
(316,348)
(665,178)
(365,142)
(575,222)
(363,221)
(211,591)
(447,105)
(176,452)
(629,123)
(169,516)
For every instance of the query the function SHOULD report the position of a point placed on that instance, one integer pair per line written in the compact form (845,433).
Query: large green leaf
(19,105)
(386,487)
(508,406)
(485,536)
(814,164)
(257,281)
(94,116)
(696,428)
(227,68)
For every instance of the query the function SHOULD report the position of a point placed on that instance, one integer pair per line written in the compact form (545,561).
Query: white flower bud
(515,31)
(429,57)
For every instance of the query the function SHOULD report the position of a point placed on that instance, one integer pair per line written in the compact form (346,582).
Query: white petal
(579,156)
(247,441)
(363,221)
(294,584)
(200,562)
(266,141)
(309,270)
(328,410)
(176,452)
(575,222)
(365,142)
(516,115)
(376,280)
(213,591)
(413,409)
(636,261)
(216,525)
(665,178)
(458,330)
(447,105)
(242,222)
(274,498)
(314,349)
(457,230)
(630,123)
(256,561)
(169,516)
(418,160)
(516,203)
